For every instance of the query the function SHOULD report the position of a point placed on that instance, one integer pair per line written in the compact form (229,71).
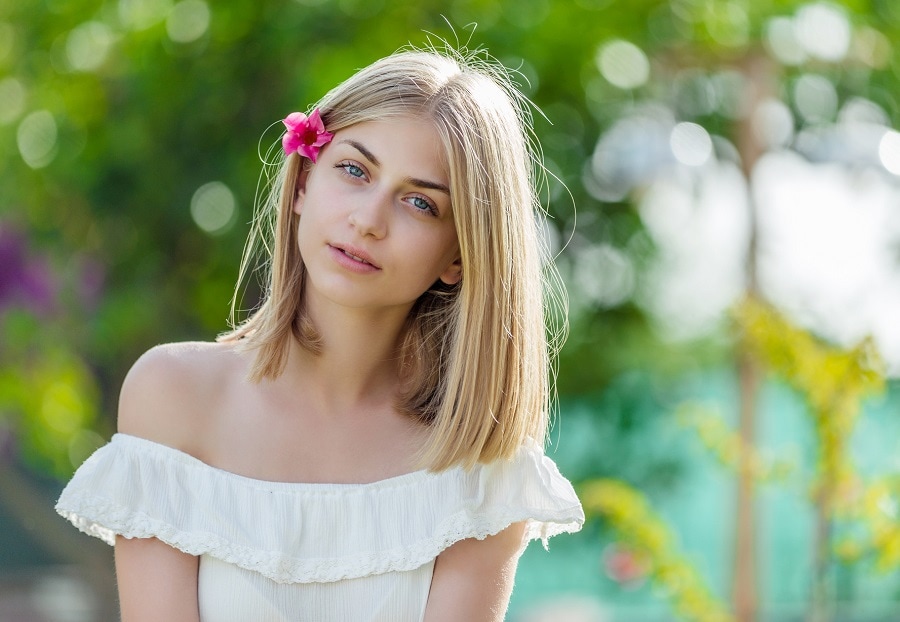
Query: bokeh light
(60,400)
(695,94)
(872,47)
(862,110)
(630,153)
(602,275)
(889,151)
(826,245)
(824,31)
(188,21)
(691,144)
(142,14)
(727,23)
(773,123)
(781,39)
(12,99)
(213,207)
(816,98)
(623,64)
(700,229)
(88,45)
(36,138)
(678,129)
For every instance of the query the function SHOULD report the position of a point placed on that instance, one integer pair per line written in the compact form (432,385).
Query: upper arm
(156,581)
(473,579)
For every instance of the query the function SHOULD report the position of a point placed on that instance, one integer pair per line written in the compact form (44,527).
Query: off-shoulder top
(273,551)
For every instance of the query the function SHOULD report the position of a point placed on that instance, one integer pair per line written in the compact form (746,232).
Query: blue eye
(352,170)
(422,204)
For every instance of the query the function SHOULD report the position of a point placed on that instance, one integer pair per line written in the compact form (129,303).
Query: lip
(354,258)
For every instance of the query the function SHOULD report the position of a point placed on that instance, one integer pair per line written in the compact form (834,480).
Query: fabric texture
(311,551)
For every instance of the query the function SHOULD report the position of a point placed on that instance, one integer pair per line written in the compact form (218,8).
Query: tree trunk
(818,609)
(744,587)
(759,75)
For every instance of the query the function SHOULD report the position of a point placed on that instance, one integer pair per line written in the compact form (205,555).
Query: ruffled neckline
(177,455)
(298,532)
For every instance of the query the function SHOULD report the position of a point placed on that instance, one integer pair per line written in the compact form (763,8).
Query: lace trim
(285,569)
(140,489)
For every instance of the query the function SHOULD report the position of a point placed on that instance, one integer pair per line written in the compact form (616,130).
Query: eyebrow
(420,183)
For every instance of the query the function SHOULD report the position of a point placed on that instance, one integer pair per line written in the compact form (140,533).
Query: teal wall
(699,503)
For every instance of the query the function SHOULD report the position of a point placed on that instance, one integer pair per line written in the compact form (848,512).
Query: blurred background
(728,403)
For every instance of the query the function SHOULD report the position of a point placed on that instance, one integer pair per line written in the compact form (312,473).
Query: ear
(301,190)
(452,274)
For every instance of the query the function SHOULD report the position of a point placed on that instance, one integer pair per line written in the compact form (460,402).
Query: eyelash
(428,207)
(346,166)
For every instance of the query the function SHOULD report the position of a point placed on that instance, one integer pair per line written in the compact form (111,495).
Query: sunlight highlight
(36,139)
(889,151)
(188,21)
(213,207)
(87,46)
(623,64)
(691,144)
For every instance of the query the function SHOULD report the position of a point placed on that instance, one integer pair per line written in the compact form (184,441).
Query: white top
(272,551)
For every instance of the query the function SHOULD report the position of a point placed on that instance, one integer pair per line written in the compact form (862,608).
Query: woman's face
(376,224)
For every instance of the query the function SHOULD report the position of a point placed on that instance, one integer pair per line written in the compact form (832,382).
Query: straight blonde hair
(476,357)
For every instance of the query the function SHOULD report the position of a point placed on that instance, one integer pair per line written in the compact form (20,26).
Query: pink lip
(353,258)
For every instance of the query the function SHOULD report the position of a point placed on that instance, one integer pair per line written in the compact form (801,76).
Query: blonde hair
(475,357)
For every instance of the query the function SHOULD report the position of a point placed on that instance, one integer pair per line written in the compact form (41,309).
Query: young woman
(368,444)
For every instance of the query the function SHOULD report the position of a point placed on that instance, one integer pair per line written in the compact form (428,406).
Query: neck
(358,363)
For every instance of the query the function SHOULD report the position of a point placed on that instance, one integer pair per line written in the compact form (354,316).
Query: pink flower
(305,135)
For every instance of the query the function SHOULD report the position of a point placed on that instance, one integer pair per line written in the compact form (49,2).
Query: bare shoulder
(170,390)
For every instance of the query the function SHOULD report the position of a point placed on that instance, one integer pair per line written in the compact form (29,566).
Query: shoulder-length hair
(475,357)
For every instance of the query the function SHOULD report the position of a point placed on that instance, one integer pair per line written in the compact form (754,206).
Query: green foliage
(133,122)
(135,114)
(649,537)
(729,448)
(833,381)
(48,396)
(877,510)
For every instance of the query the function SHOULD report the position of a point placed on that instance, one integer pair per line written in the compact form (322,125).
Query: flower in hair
(305,135)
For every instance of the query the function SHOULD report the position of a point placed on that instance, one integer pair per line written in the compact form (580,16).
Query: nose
(370,215)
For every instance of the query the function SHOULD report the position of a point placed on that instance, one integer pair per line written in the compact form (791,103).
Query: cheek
(301,233)
(442,253)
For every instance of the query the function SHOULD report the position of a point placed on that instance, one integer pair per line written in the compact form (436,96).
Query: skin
(375,192)
(368,194)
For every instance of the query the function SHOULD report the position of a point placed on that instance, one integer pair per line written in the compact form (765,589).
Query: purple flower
(23,280)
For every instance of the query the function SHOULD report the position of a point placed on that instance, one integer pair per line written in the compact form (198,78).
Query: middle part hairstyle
(474,357)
